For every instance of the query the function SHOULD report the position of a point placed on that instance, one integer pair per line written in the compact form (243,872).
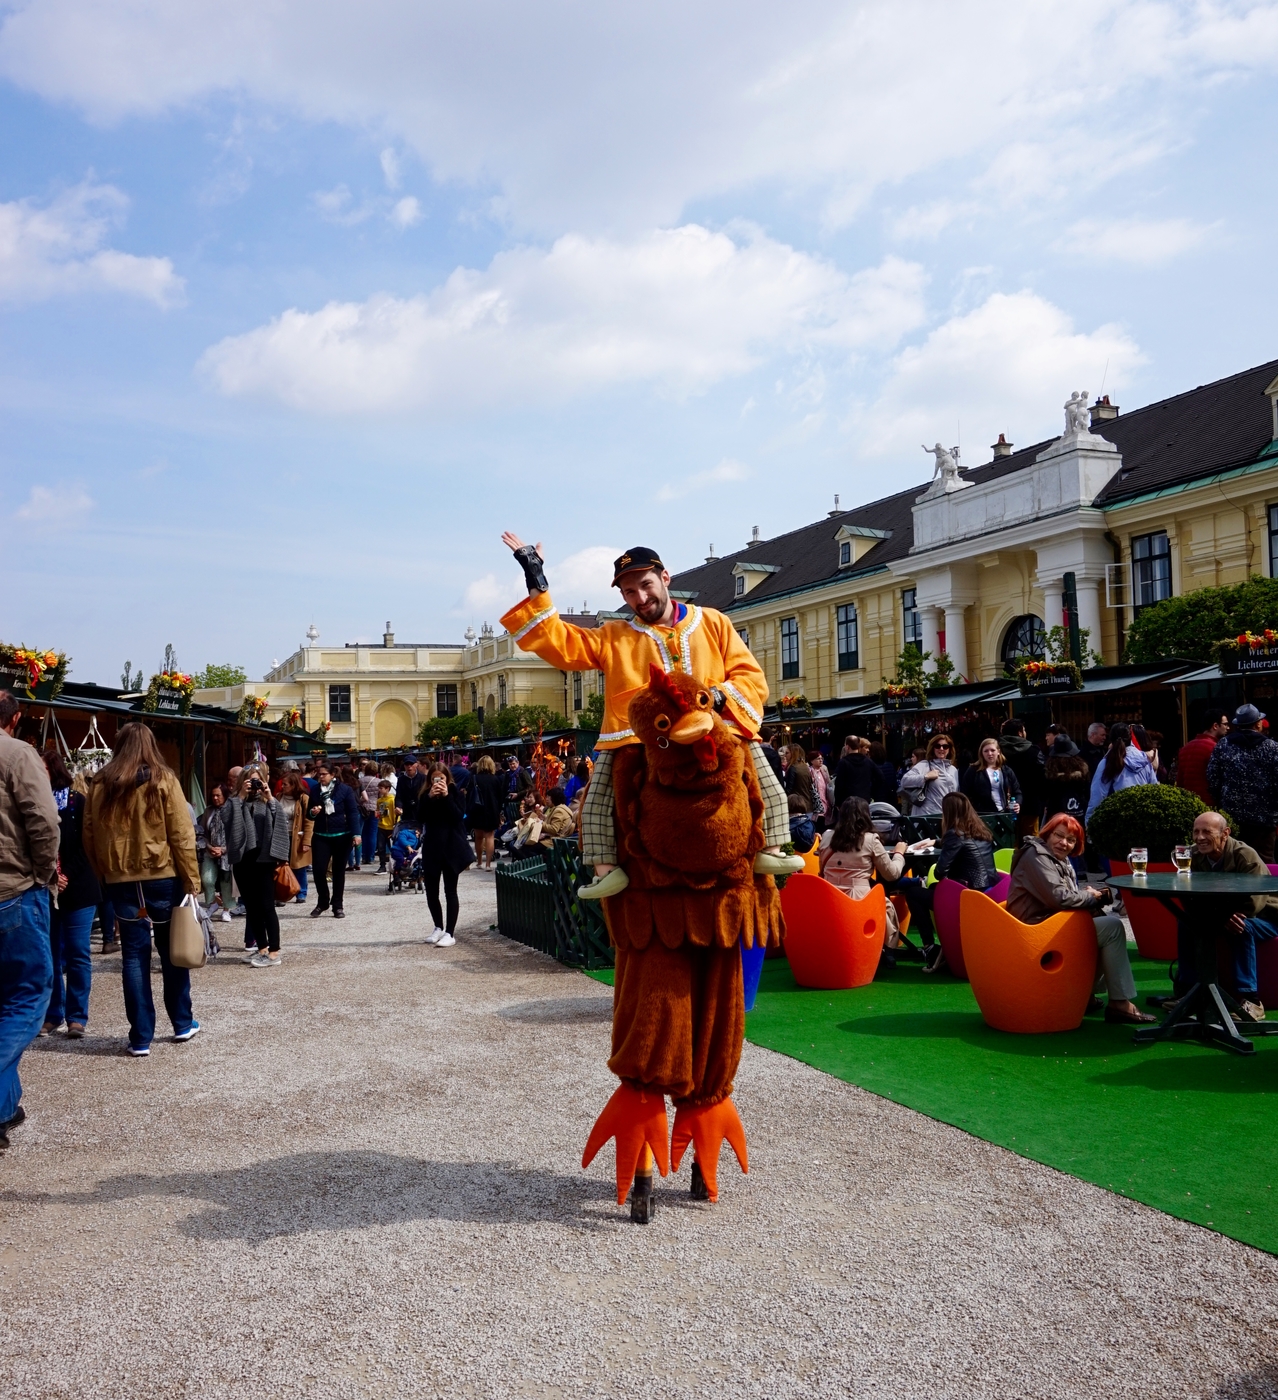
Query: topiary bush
(1156,817)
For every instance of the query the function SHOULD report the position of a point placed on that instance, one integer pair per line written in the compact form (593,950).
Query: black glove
(534,573)
(719,699)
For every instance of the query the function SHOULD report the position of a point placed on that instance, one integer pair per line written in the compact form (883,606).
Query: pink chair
(946,904)
(1267,966)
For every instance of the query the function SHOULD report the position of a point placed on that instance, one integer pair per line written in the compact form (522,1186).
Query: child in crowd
(385,822)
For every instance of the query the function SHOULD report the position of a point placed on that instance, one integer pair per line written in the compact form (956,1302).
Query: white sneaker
(446,941)
(436,936)
(225,917)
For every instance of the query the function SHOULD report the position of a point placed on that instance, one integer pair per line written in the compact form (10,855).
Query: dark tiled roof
(1196,434)
(807,556)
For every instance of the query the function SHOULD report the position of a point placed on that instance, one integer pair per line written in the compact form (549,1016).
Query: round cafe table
(1204,1013)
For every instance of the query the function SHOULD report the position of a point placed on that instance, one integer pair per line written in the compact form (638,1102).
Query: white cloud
(56,248)
(54,505)
(616,119)
(679,308)
(390,168)
(999,368)
(1141,242)
(487,599)
(584,577)
(723,472)
(406,213)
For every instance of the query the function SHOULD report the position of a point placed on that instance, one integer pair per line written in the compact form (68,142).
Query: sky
(302,305)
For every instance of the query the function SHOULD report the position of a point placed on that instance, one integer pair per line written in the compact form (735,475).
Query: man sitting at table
(1254,918)
(1044,883)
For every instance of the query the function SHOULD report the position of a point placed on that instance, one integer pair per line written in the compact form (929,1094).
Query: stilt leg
(643,1199)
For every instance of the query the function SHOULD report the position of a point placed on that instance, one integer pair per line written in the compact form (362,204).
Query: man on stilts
(664,632)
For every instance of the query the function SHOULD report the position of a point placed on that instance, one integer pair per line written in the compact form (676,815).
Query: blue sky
(302,305)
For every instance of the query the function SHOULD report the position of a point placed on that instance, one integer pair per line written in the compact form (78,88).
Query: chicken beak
(691,727)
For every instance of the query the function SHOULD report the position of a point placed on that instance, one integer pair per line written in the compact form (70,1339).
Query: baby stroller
(405,860)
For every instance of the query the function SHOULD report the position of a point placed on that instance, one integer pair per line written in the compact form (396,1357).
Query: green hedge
(1156,817)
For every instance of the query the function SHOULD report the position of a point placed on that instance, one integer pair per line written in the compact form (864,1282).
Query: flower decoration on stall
(39,673)
(794,706)
(293,718)
(1035,677)
(1248,651)
(169,692)
(253,708)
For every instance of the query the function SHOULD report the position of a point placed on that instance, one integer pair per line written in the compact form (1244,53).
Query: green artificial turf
(1189,1130)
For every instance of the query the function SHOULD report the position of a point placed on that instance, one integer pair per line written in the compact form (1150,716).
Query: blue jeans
(1242,953)
(69,931)
(369,834)
(135,951)
(302,878)
(26,979)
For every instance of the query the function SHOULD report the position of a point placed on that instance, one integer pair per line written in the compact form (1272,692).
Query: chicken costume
(689,824)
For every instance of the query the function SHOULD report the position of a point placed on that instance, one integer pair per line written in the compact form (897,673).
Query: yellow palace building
(1136,505)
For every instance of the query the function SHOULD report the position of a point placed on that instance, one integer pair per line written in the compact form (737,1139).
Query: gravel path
(362,1180)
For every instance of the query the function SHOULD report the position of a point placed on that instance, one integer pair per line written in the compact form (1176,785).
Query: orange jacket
(705,644)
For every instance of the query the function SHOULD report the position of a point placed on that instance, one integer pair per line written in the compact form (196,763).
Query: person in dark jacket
(258,838)
(802,828)
(857,775)
(338,826)
(487,802)
(990,784)
(445,851)
(966,854)
(1242,776)
(71,920)
(887,769)
(1067,782)
(1025,759)
(407,791)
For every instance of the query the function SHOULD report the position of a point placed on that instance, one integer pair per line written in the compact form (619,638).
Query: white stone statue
(946,472)
(1078,418)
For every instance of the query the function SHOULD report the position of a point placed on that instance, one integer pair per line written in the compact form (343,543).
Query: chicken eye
(702,699)
(662,722)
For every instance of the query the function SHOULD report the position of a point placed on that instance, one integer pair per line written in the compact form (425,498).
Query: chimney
(712,556)
(754,539)
(1103,411)
(836,510)
(388,637)
(1002,448)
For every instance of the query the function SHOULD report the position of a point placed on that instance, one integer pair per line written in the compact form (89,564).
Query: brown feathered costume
(689,824)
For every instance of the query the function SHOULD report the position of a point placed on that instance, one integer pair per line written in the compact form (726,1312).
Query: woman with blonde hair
(989,784)
(140,841)
(487,797)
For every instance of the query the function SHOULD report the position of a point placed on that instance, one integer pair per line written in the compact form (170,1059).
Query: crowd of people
(123,848)
(1050,791)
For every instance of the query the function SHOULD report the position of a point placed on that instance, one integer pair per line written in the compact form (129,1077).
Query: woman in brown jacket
(140,841)
(295,799)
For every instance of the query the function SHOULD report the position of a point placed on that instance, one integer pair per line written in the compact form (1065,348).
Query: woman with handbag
(257,840)
(295,798)
(140,841)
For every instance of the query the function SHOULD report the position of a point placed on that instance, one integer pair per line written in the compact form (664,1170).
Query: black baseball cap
(640,557)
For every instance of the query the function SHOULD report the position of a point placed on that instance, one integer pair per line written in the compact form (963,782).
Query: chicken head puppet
(689,824)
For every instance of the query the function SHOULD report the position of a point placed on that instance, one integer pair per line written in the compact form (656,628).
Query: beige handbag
(186,936)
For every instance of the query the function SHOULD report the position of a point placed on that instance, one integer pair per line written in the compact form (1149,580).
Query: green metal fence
(1002,827)
(537,904)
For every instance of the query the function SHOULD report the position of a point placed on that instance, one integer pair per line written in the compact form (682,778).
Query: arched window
(1025,640)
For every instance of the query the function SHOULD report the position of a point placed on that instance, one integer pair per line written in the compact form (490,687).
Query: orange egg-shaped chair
(1028,978)
(812,861)
(832,942)
(1153,924)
